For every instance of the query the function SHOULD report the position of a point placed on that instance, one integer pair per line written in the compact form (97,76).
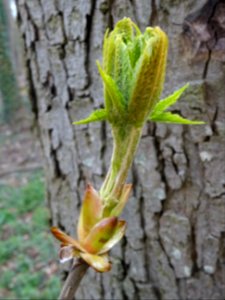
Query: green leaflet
(169,101)
(148,76)
(116,98)
(135,50)
(168,117)
(97,115)
(123,71)
(159,115)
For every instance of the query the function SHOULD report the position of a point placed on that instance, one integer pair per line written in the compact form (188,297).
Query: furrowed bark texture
(174,244)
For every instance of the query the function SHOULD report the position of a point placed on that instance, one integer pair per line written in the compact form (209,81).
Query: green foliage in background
(27,269)
(8,84)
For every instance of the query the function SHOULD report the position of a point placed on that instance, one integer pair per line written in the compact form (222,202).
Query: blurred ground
(28,260)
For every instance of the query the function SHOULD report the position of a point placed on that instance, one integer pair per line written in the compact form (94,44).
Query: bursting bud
(98,230)
(133,73)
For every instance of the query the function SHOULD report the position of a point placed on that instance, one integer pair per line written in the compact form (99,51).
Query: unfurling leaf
(100,235)
(149,75)
(117,210)
(91,212)
(97,115)
(66,239)
(115,100)
(168,117)
(116,237)
(133,73)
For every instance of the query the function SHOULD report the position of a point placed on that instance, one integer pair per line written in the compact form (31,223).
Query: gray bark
(174,244)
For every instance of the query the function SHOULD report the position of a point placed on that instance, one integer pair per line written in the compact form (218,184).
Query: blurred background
(27,270)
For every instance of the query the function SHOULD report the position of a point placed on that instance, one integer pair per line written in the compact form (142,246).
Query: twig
(73,280)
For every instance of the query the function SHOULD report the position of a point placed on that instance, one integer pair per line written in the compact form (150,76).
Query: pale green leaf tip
(187,122)
(177,120)
(95,116)
(98,65)
(80,122)
(196,122)
(171,118)
(186,85)
(87,121)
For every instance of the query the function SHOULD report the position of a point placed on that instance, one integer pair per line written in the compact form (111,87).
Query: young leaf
(90,214)
(97,115)
(66,239)
(123,71)
(148,76)
(112,90)
(100,235)
(116,236)
(168,117)
(99,263)
(168,101)
(117,210)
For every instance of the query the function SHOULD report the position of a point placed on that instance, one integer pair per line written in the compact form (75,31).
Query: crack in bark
(110,18)
(36,33)
(154,14)
(213,126)
(29,77)
(136,290)
(57,170)
(87,41)
(194,253)
(161,170)
(206,67)
(145,237)
(125,266)
(32,92)
(102,290)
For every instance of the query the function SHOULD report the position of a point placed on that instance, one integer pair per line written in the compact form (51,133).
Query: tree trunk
(174,244)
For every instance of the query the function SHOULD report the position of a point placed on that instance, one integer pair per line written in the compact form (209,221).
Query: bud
(133,71)
(133,74)
(98,231)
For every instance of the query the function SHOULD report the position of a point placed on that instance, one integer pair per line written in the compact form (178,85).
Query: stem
(126,140)
(73,280)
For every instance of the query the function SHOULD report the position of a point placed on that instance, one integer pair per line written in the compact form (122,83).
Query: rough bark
(174,245)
